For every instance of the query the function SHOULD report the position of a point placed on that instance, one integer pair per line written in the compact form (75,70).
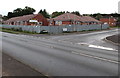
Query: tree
(5,18)
(20,12)
(67,12)
(10,15)
(17,10)
(44,13)
(28,10)
(56,13)
(76,13)
(98,16)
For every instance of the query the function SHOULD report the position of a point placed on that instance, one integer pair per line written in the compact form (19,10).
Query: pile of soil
(114,38)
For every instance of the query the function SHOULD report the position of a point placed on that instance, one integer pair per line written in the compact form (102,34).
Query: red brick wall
(66,22)
(42,19)
(110,21)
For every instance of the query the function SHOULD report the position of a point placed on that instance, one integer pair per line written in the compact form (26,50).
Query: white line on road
(96,46)
(96,57)
(101,47)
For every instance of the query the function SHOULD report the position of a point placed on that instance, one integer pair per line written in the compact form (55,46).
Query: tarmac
(12,67)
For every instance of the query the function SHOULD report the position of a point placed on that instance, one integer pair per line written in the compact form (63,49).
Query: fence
(57,29)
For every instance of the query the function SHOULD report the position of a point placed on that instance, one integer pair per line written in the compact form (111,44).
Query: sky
(83,6)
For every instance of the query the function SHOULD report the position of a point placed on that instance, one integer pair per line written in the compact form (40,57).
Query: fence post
(101,26)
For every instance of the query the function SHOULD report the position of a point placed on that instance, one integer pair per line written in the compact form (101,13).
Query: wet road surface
(62,55)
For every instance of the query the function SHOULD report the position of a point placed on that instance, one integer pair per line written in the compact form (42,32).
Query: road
(12,67)
(95,38)
(55,56)
(0,55)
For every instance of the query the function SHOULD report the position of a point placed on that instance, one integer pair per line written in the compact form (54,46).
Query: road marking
(96,46)
(95,57)
(101,47)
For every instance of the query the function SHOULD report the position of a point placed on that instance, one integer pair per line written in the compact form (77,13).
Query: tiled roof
(73,17)
(22,18)
(89,19)
(66,17)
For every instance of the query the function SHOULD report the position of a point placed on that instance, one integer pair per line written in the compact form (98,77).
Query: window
(51,22)
(58,22)
(77,22)
(40,23)
(21,22)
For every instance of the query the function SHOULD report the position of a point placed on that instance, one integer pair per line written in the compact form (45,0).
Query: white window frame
(58,22)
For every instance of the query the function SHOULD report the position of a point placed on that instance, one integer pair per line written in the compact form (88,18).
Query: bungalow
(109,20)
(32,19)
(69,19)
(89,20)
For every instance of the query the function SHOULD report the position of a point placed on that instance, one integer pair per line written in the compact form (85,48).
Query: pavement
(65,55)
(114,38)
(12,67)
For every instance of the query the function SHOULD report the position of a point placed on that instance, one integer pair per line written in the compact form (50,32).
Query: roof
(73,17)
(22,18)
(67,17)
(89,19)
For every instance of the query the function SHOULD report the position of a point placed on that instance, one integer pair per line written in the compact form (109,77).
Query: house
(32,19)
(109,20)
(89,20)
(65,19)
(72,19)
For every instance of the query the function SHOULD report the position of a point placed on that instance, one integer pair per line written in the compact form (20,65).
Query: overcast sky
(83,6)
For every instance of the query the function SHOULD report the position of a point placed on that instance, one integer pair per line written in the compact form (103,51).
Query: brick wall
(110,21)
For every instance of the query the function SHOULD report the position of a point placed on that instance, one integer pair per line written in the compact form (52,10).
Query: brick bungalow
(72,19)
(89,20)
(109,20)
(32,19)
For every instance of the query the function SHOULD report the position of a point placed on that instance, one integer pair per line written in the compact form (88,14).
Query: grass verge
(115,27)
(16,31)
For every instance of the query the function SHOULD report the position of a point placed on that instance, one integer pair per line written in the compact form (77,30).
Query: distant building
(32,19)
(109,20)
(1,19)
(89,20)
(72,19)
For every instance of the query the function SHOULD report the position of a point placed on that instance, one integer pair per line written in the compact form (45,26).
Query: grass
(86,31)
(15,31)
(115,27)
